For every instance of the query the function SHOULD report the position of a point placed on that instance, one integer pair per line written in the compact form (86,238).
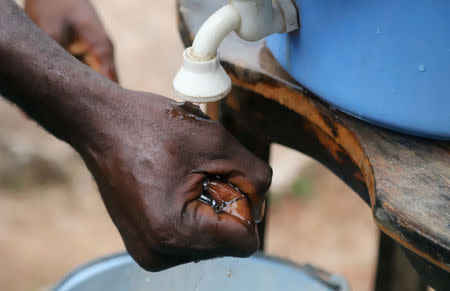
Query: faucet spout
(213,32)
(202,78)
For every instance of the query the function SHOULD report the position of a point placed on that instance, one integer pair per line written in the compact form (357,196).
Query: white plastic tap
(202,77)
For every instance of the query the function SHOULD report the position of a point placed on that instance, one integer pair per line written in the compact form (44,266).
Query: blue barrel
(386,62)
(121,273)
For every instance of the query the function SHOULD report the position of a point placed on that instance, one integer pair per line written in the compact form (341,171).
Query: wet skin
(148,155)
(227,198)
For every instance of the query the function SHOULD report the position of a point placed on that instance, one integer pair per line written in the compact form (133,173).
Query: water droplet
(421,68)
(229,274)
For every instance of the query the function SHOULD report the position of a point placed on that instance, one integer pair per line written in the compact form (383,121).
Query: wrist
(119,116)
(89,121)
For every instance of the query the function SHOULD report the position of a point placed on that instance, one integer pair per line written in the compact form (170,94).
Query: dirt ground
(51,215)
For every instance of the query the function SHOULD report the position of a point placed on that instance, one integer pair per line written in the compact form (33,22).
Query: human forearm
(149,156)
(39,76)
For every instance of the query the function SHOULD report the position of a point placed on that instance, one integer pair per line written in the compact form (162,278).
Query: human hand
(150,158)
(75,25)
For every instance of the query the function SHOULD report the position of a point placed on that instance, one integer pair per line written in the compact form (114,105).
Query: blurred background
(52,218)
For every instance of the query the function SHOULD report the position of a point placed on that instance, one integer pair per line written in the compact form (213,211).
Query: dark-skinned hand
(150,159)
(75,25)
(148,155)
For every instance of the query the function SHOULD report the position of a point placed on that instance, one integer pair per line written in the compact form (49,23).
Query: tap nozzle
(202,77)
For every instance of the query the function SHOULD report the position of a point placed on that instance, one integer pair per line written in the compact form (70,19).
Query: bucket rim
(334,281)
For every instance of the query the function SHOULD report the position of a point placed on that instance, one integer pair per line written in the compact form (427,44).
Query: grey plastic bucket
(259,272)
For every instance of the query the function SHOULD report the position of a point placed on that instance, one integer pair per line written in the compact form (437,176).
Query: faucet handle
(290,13)
(260,18)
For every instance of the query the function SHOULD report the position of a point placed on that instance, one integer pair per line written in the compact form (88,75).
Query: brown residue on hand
(187,111)
(224,197)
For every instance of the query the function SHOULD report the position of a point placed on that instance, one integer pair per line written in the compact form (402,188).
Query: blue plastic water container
(121,273)
(386,62)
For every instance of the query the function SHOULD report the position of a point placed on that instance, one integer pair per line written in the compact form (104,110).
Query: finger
(249,174)
(242,168)
(98,56)
(89,31)
(55,28)
(150,259)
(102,62)
(210,234)
(227,199)
(154,260)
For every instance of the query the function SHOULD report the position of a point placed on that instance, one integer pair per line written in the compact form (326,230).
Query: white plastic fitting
(201,80)
(202,77)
